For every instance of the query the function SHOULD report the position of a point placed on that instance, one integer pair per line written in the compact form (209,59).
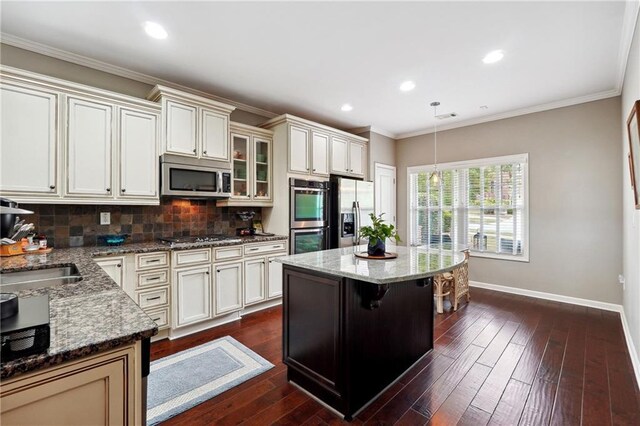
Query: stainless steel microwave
(194,178)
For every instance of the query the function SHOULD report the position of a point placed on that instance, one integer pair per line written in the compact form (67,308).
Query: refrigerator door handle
(358,223)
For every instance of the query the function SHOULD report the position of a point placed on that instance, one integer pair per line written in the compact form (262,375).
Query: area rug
(183,380)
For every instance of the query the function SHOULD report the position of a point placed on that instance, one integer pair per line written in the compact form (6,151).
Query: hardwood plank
(493,352)
(474,417)
(596,403)
(433,398)
(553,357)
(537,410)
(386,396)
(457,346)
(394,409)
(568,407)
(489,332)
(452,410)
(411,418)
(527,368)
(511,404)
(489,394)
(275,412)
(315,421)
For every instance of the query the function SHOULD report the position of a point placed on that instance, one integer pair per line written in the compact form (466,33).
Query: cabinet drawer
(191,257)
(151,260)
(228,253)
(160,317)
(151,298)
(152,278)
(250,250)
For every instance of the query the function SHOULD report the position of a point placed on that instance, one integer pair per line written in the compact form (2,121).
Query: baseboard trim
(635,361)
(549,296)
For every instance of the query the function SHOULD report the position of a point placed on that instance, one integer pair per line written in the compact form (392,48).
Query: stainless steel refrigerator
(350,205)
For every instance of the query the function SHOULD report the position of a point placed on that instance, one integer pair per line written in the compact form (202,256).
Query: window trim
(490,161)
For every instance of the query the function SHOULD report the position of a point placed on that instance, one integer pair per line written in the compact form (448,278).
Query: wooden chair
(459,285)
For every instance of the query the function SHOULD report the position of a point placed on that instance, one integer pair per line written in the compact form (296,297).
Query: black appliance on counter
(308,216)
(27,331)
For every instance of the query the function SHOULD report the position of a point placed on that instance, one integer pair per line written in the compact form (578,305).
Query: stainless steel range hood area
(184,177)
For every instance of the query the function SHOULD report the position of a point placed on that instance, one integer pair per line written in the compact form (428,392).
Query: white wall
(575,200)
(631,216)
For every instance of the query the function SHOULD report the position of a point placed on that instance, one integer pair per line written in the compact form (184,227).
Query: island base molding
(346,340)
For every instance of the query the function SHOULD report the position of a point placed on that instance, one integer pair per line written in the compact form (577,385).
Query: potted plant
(377,234)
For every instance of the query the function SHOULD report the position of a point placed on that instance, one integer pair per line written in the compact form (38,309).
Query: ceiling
(309,58)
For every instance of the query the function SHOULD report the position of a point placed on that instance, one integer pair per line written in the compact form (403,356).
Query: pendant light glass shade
(435,177)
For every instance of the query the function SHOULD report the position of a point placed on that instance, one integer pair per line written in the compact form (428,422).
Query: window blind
(480,205)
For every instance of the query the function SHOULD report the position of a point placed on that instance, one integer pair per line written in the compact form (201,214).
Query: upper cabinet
(193,126)
(85,145)
(29,130)
(316,150)
(252,164)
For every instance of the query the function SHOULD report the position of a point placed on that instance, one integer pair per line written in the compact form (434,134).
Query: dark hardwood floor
(501,360)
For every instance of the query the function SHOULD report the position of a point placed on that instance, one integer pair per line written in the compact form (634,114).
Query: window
(479,204)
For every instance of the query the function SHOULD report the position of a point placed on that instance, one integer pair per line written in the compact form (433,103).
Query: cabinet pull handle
(153,278)
(123,190)
(108,189)
(52,187)
(275,246)
(153,298)
(119,265)
(208,273)
(254,249)
(153,260)
(155,319)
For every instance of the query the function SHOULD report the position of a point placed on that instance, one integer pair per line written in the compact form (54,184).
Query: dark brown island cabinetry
(346,340)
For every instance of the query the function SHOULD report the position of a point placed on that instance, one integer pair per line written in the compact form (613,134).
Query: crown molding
(290,118)
(631,16)
(84,61)
(373,129)
(517,112)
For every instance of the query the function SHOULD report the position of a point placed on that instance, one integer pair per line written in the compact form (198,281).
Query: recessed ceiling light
(484,107)
(493,57)
(155,30)
(346,107)
(407,86)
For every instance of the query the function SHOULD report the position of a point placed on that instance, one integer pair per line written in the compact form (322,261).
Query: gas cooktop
(203,239)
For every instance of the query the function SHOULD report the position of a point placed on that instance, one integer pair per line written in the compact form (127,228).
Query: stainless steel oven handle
(219,181)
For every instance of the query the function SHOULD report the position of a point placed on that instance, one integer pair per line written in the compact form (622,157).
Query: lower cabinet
(193,291)
(274,283)
(99,390)
(114,267)
(255,277)
(228,287)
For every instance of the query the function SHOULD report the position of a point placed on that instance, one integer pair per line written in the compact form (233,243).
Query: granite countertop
(412,263)
(94,314)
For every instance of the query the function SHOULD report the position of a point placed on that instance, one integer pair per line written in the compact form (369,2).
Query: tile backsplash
(79,225)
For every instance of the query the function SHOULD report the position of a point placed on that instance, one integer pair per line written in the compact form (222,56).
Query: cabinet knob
(204,152)
(351,170)
(119,265)
(208,273)
(123,190)
(307,169)
(194,151)
(314,170)
(346,170)
(217,270)
(108,189)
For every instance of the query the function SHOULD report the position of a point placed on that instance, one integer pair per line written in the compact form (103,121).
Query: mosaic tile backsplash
(77,226)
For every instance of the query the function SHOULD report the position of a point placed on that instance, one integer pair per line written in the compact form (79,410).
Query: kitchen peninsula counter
(353,326)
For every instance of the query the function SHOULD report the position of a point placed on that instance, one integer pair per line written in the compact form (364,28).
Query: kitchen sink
(38,278)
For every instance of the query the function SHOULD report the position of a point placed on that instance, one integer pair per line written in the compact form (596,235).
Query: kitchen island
(352,326)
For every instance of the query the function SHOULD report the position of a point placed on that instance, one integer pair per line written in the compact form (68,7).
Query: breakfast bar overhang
(352,326)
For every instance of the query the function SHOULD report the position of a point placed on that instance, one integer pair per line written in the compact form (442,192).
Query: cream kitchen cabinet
(87,145)
(192,125)
(28,126)
(348,157)
(319,153)
(138,154)
(274,281)
(252,167)
(298,149)
(193,295)
(255,279)
(103,389)
(89,148)
(114,267)
(228,287)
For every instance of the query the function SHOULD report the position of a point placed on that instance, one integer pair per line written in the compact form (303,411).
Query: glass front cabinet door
(262,168)
(241,186)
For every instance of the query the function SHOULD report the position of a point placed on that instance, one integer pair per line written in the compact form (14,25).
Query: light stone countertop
(412,263)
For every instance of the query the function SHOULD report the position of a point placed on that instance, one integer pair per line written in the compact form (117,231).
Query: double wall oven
(309,216)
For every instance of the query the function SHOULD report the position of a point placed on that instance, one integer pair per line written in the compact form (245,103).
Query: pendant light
(435,175)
